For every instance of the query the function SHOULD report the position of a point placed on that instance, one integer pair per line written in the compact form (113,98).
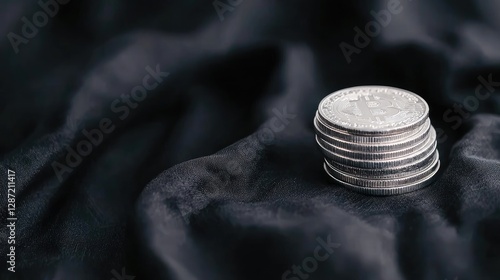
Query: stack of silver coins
(377,140)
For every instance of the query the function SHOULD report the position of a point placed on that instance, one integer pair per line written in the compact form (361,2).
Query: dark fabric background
(191,185)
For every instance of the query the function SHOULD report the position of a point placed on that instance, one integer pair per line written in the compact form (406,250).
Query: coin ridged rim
(375,131)
(420,136)
(387,173)
(325,146)
(428,148)
(382,183)
(388,191)
(334,133)
(377,164)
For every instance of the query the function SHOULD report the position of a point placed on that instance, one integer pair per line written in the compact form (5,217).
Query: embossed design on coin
(373,110)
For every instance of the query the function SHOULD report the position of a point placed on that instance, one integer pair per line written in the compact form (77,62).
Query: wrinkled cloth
(211,170)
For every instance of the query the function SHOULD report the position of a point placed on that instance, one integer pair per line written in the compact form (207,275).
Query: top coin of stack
(377,140)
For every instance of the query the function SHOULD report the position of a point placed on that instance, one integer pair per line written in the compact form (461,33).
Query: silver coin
(329,131)
(395,145)
(388,173)
(373,110)
(325,146)
(388,191)
(428,148)
(383,183)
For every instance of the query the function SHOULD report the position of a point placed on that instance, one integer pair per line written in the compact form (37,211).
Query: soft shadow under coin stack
(377,140)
